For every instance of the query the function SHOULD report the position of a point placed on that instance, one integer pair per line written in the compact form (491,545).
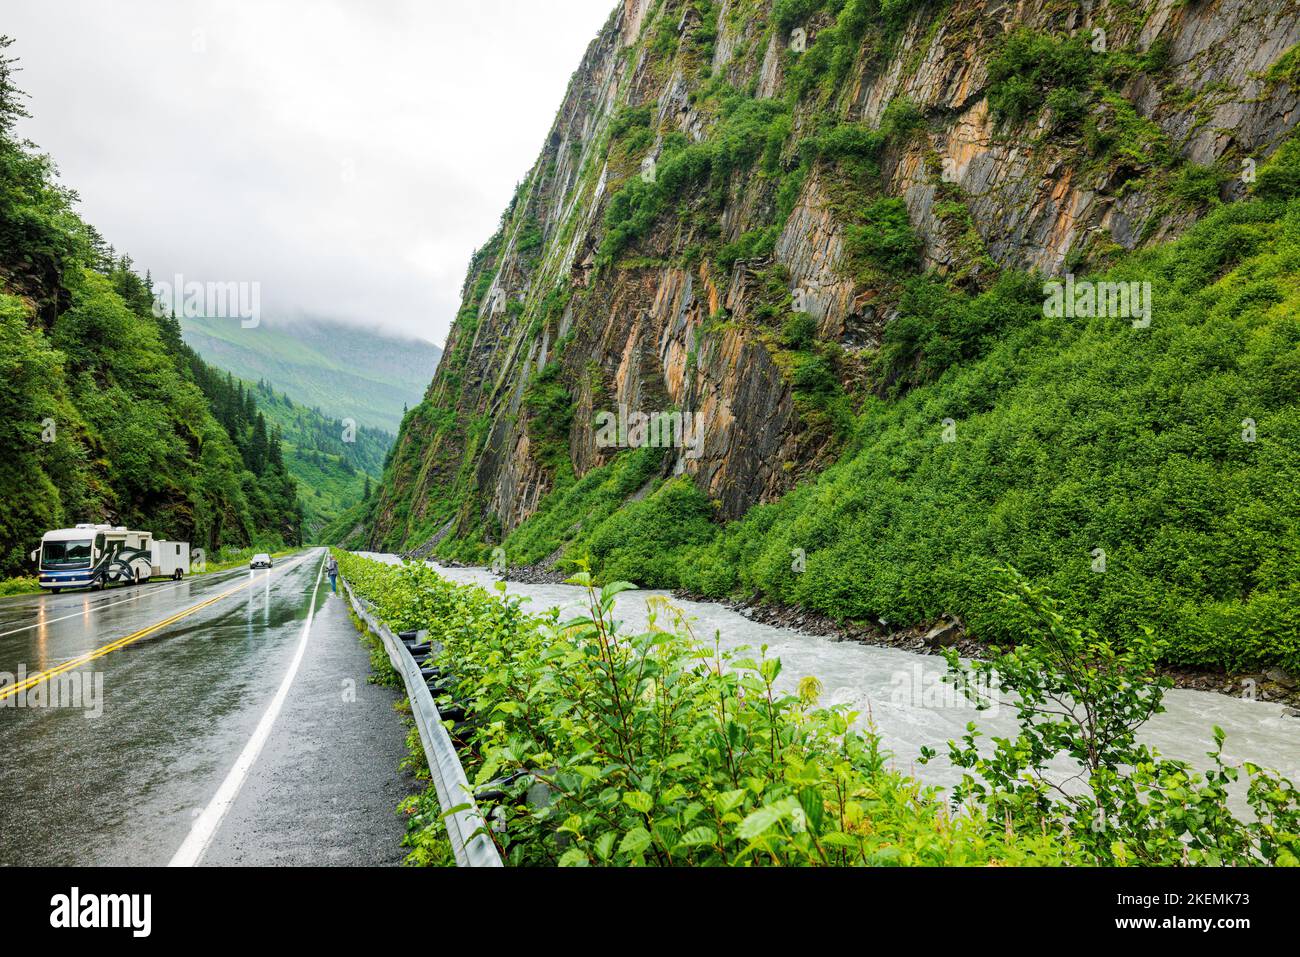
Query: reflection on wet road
(110,761)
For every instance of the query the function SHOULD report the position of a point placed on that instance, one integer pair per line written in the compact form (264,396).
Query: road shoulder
(325,788)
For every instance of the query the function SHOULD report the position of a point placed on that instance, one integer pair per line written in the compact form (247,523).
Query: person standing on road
(332,569)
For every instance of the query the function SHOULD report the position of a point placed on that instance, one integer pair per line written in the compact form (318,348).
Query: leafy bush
(659,749)
(18,586)
(799,331)
(631,213)
(755,244)
(900,118)
(1280,177)
(1196,184)
(1081,701)
(814,378)
(885,240)
(550,416)
(788,14)
(896,12)
(936,327)
(1068,107)
(631,118)
(846,141)
(603,747)
(1029,64)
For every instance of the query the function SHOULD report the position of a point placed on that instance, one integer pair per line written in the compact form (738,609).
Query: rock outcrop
(669,323)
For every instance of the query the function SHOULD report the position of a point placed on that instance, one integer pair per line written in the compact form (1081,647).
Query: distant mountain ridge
(345,371)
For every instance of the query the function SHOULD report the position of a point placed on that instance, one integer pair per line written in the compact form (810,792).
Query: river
(901,692)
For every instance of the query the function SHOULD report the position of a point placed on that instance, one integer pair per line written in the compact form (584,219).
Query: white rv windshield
(66,554)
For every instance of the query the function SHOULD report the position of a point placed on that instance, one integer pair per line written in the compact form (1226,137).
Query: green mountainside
(335,467)
(834,234)
(105,413)
(345,371)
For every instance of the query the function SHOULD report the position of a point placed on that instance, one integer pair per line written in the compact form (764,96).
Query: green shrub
(799,331)
(631,213)
(1138,807)
(885,240)
(788,14)
(19,586)
(900,118)
(1196,184)
(658,748)
(814,379)
(937,328)
(629,119)
(1068,107)
(896,12)
(550,417)
(1029,64)
(755,244)
(1279,177)
(845,141)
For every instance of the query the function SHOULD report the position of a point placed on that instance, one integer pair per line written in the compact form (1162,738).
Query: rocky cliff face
(1001,164)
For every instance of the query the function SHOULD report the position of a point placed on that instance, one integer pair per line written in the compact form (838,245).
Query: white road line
(205,826)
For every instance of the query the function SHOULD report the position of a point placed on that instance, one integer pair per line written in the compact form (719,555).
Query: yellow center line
(33,680)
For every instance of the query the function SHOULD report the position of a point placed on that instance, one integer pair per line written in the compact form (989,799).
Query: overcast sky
(349,155)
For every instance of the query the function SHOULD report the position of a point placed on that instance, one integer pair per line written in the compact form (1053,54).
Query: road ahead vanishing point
(224,719)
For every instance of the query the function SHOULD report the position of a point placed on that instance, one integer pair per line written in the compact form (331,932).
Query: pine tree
(274,452)
(257,447)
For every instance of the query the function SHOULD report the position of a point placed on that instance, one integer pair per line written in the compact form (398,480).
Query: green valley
(335,464)
(346,371)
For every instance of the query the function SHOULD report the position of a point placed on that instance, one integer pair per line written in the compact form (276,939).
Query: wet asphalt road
(120,777)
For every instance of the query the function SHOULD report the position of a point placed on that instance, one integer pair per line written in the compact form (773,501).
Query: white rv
(92,556)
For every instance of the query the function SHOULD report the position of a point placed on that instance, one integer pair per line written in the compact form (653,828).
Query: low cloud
(347,156)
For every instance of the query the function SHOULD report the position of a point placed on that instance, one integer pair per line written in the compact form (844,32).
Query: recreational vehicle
(92,556)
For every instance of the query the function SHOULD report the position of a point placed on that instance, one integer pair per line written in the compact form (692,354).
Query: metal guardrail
(466,828)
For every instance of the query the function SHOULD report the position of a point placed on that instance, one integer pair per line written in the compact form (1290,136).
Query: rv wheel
(56,590)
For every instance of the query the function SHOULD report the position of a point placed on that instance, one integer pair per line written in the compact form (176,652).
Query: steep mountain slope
(819,229)
(347,372)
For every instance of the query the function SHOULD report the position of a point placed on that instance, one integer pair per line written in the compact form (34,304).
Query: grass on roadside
(426,834)
(25,585)
(662,748)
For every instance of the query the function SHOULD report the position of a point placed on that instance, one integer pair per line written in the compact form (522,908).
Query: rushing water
(902,693)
